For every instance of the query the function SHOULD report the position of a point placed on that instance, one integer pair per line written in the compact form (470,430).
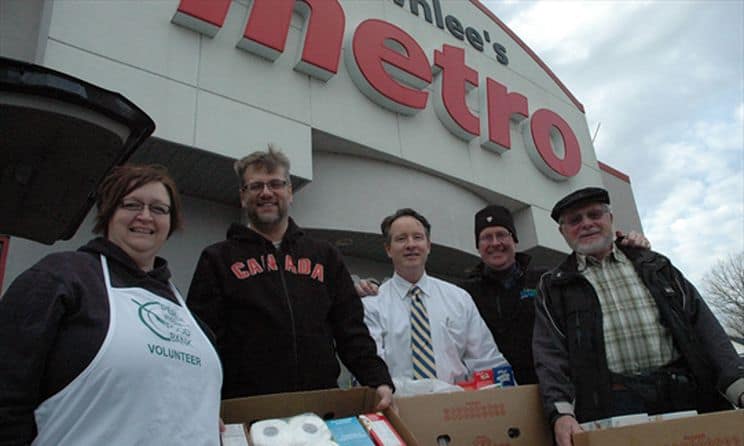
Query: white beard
(594,247)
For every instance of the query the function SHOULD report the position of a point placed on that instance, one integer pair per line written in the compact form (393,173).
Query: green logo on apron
(164,322)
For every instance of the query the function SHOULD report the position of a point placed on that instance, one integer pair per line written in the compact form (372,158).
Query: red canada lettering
(238,269)
(271,263)
(303,266)
(317,273)
(289,264)
(254,267)
(455,79)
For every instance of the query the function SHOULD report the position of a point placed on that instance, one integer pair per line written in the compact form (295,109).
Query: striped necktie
(422,352)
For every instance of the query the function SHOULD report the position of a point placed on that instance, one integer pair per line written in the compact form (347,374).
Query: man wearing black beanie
(504,288)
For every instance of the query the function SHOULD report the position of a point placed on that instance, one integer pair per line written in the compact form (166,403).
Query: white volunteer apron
(156,380)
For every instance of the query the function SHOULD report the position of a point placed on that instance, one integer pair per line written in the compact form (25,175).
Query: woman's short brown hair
(123,180)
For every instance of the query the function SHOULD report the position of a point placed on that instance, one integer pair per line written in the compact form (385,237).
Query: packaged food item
(503,376)
(483,378)
(480,379)
(380,430)
(467,384)
(349,432)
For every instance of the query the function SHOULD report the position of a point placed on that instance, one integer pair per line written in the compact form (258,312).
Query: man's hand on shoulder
(564,428)
(366,287)
(633,239)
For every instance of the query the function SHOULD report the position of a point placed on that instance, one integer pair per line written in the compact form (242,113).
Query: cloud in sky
(665,79)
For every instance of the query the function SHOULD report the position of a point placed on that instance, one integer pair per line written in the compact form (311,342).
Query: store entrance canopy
(59,137)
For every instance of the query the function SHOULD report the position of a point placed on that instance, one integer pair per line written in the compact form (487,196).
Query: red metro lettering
(392,70)
(253,267)
(508,107)
(266,32)
(545,131)
(552,145)
(369,54)
(456,78)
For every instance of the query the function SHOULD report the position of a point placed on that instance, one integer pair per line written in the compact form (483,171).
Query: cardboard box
(713,429)
(327,404)
(494,417)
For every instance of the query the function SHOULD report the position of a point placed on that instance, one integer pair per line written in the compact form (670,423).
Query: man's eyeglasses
(592,214)
(256,187)
(138,206)
(495,237)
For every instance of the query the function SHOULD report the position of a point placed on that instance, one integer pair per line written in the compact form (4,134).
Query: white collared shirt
(461,340)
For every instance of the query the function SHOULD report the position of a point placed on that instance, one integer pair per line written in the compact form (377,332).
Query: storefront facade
(380,104)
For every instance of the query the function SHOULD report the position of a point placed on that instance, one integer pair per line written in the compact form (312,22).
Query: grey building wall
(624,209)
(345,204)
(205,223)
(355,193)
(24,27)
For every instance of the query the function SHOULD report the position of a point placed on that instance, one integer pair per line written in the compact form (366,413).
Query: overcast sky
(665,80)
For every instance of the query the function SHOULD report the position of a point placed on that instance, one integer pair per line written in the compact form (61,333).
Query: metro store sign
(391,69)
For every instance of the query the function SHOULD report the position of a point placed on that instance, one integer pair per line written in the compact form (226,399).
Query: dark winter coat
(281,315)
(506,303)
(569,343)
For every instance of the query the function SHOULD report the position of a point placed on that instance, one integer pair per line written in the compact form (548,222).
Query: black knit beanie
(494,215)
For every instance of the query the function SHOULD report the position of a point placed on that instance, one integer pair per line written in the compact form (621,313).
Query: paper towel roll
(308,430)
(271,432)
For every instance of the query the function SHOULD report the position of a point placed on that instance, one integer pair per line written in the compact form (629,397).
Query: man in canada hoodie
(281,303)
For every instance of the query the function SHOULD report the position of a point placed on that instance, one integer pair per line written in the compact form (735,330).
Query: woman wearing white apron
(97,347)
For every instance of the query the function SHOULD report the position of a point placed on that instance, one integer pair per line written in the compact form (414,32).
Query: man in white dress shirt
(458,336)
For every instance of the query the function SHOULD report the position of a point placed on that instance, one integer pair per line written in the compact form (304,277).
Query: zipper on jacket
(499,294)
(542,302)
(295,355)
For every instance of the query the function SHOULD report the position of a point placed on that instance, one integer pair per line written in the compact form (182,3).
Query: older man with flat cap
(620,330)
